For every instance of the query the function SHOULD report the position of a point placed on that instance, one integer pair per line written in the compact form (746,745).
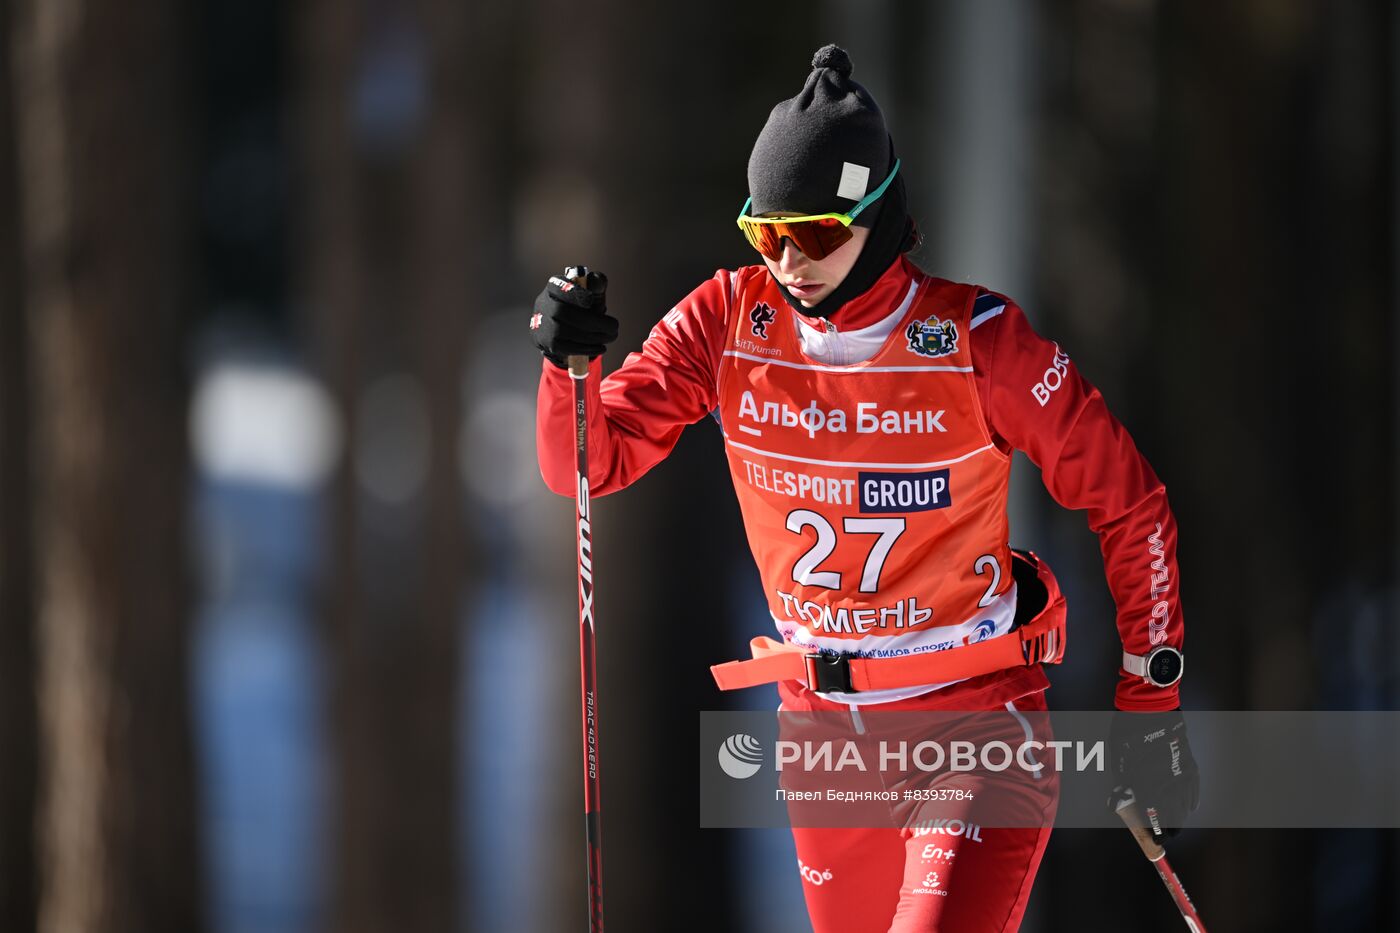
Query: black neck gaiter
(888,237)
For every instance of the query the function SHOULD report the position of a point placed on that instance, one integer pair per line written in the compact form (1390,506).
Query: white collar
(834,347)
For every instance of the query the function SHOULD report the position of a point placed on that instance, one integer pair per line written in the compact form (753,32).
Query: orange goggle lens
(816,239)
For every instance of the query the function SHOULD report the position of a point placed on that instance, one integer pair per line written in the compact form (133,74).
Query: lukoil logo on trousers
(740,756)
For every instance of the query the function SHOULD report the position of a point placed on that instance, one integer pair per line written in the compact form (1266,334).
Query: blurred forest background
(287,626)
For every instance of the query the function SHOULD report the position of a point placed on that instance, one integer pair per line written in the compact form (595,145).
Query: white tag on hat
(854,179)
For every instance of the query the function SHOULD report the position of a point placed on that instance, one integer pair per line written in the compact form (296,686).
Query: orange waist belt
(1040,640)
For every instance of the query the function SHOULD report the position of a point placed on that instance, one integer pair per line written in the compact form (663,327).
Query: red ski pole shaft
(592,794)
(1158,857)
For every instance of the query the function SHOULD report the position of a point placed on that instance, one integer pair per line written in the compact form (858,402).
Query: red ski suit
(1029,396)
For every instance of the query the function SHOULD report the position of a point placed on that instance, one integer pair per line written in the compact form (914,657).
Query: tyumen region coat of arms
(932,337)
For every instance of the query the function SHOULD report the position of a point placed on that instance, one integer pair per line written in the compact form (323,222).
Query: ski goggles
(816,235)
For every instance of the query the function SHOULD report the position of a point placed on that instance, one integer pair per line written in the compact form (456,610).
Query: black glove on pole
(573,321)
(1152,757)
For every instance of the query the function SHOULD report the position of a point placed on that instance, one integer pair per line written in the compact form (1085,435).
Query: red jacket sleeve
(1036,400)
(636,414)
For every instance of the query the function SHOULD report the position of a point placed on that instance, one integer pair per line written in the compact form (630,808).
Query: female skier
(869,411)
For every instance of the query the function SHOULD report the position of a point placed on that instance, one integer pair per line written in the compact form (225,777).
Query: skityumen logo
(904,492)
(761,316)
(740,756)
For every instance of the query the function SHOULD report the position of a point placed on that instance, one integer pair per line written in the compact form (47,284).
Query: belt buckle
(829,673)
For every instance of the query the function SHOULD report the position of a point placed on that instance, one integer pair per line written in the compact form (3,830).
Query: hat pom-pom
(833,57)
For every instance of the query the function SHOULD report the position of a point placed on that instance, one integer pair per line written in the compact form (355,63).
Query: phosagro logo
(740,756)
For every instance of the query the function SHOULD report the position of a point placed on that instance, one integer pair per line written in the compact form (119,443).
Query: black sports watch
(1160,667)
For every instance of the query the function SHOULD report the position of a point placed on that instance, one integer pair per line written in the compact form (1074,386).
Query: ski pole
(1158,857)
(592,797)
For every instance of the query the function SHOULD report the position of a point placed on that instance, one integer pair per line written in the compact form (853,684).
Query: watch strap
(1137,664)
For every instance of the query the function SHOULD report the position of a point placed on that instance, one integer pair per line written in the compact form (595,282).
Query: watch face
(1164,667)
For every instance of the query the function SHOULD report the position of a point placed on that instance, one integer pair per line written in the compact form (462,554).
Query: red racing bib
(872,495)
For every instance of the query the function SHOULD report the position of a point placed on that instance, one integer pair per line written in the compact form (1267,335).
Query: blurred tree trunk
(334,284)
(444,194)
(17,709)
(103,172)
(387,237)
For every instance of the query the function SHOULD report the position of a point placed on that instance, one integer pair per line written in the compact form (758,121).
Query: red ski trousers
(954,875)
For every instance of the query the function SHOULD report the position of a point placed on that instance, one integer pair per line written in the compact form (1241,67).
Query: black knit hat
(823,150)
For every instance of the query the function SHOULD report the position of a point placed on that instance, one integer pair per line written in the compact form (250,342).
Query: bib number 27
(804,571)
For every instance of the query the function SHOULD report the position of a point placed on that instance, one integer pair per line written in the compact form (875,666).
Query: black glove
(1152,758)
(572,321)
